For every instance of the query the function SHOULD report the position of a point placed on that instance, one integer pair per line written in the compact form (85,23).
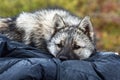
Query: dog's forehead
(74,31)
(71,31)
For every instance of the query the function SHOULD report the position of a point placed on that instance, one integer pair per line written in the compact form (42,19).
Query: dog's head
(72,42)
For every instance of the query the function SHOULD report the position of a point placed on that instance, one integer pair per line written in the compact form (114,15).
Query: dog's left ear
(86,26)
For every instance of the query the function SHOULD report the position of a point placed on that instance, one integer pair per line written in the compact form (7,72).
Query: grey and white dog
(64,35)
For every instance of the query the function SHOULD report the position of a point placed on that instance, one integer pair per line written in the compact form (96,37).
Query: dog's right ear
(58,22)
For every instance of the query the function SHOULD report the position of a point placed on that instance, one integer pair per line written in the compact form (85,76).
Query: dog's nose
(63,58)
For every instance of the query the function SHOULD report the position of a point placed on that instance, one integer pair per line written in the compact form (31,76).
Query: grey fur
(54,30)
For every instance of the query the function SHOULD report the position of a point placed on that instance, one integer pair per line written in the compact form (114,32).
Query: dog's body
(57,31)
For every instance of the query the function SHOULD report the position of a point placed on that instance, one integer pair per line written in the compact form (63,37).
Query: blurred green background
(105,16)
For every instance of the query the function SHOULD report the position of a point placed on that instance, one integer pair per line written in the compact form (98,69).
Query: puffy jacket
(22,62)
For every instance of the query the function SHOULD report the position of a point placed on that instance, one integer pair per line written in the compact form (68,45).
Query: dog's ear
(86,26)
(58,22)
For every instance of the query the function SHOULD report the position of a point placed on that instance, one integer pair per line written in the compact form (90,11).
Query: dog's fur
(55,30)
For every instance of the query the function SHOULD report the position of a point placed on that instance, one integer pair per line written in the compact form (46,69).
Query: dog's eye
(76,47)
(60,45)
